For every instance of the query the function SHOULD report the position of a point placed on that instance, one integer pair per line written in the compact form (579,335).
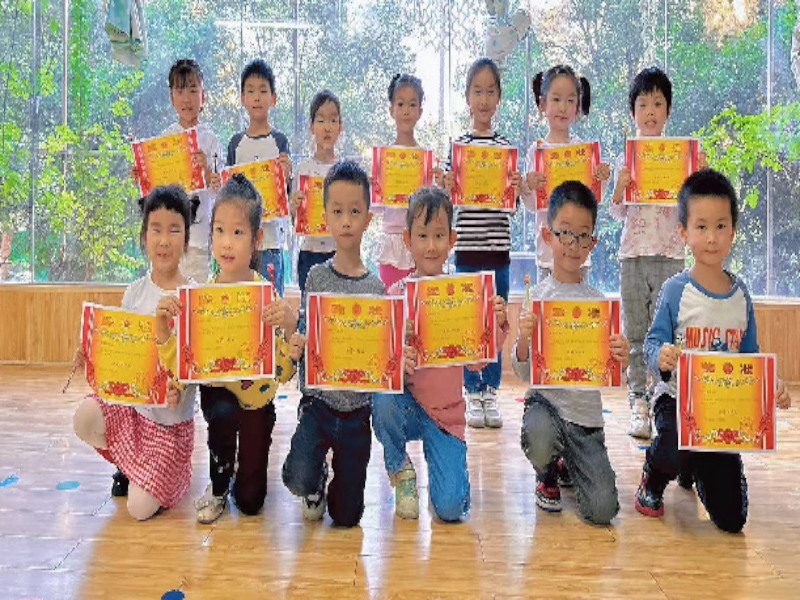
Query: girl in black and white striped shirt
(483,240)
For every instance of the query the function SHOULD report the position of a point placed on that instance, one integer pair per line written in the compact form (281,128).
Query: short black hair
(428,201)
(180,72)
(321,98)
(572,192)
(650,81)
(171,197)
(259,68)
(349,171)
(706,183)
(478,66)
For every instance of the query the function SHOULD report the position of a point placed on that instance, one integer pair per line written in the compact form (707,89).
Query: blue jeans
(305,261)
(398,419)
(319,429)
(490,375)
(272,257)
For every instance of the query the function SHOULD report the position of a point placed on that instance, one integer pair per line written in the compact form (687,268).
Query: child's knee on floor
(450,509)
(141,505)
(599,507)
(300,477)
(343,515)
(538,437)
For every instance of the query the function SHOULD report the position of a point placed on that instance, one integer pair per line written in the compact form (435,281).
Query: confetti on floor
(68,485)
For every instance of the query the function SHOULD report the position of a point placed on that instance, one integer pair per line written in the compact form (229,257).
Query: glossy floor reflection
(78,542)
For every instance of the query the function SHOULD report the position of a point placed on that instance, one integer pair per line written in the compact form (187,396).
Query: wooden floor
(63,536)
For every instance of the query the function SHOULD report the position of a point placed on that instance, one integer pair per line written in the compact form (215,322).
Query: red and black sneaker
(564,478)
(548,496)
(649,502)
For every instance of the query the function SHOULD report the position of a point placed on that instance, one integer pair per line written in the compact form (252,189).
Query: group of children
(562,432)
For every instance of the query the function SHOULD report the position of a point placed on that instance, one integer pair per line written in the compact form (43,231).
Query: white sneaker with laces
(313,506)
(475,414)
(640,419)
(210,507)
(491,413)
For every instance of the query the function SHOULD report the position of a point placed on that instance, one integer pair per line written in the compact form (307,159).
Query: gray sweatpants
(546,437)
(640,281)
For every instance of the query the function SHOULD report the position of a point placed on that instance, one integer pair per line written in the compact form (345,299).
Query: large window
(68,112)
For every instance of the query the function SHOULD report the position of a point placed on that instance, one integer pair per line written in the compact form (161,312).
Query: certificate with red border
(453,319)
(310,218)
(267,177)
(222,335)
(354,343)
(570,345)
(483,177)
(658,167)
(398,172)
(167,160)
(573,162)
(122,364)
(726,402)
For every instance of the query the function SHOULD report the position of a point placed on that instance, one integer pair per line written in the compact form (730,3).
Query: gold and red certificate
(122,364)
(398,172)
(167,160)
(354,343)
(726,401)
(483,177)
(658,167)
(310,218)
(570,345)
(453,319)
(267,177)
(222,335)
(574,162)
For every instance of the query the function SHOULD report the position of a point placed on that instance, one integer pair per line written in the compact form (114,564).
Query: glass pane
(16,20)
(785,193)
(718,66)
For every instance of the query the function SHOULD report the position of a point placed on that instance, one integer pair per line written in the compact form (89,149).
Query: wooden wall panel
(40,323)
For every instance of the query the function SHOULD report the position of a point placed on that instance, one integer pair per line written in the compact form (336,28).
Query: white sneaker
(210,507)
(406,497)
(491,414)
(313,506)
(475,414)
(640,419)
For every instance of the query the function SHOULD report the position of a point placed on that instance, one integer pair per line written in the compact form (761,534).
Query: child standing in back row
(562,97)
(405,106)
(260,141)
(483,236)
(187,96)
(651,249)
(326,127)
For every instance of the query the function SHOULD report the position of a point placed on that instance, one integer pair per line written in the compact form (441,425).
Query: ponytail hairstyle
(240,191)
(171,197)
(405,80)
(543,79)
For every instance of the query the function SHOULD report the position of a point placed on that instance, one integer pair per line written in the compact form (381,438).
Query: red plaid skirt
(157,458)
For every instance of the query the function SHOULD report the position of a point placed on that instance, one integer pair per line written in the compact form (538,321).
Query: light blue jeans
(489,376)
(398,419)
